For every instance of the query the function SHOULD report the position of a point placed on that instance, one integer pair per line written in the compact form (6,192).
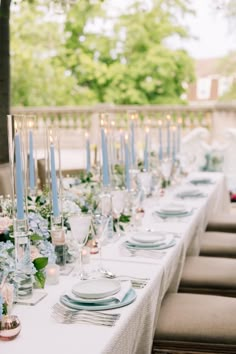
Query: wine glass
(145,182)
(100,226)
(80,225)
(118,204)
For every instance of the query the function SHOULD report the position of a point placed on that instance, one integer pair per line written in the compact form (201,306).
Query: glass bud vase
(24,280)
(58,240)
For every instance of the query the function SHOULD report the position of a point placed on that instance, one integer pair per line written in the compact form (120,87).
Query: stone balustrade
(74,121)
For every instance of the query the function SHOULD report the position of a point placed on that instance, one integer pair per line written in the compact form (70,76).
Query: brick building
(210,82)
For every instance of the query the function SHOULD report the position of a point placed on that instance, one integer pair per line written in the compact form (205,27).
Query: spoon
(111,275)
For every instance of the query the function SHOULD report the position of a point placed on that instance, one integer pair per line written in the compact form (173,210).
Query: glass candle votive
(52,274)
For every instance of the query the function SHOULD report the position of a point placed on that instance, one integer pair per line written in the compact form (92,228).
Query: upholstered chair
(193,323)
(209,275)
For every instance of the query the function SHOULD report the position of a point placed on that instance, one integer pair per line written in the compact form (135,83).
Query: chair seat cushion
(222,222)
(218,244)
(209,273)
(197,318)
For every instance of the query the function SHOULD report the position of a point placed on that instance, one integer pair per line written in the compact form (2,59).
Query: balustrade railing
(74,121)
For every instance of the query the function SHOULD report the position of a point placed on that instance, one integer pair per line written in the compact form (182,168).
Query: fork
(63,315)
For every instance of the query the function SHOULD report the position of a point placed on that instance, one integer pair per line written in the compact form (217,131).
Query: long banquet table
(133,333)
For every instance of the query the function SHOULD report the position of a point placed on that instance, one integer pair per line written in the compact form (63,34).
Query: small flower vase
(58,239)
(23,277)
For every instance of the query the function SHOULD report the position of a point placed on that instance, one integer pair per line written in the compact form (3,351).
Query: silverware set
(68,316)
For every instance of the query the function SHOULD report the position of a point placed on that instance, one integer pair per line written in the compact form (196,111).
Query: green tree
(131,63)
(35,43)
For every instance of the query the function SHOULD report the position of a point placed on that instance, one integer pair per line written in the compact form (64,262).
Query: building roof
(207,67)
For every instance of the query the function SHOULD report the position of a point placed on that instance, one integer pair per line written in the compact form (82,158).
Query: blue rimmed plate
(149,246)
(128,299)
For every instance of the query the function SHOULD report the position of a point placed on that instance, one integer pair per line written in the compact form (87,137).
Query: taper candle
(127,164)
(31,162)
(133,154)
(55,205)
(19,179)
(160,139)
(88,158)
(105,170)
(168,135)
(146,162)
(173,142)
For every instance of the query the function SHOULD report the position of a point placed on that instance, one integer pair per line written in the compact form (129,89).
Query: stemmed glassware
(100,225)
(80,226)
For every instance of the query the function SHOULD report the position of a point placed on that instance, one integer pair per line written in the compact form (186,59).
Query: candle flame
(147,130)
(126,137)
(102,122)
(168,117)
(113,123)
(180,120)
(50,137)
(30,124)
(160,123)
(86,135)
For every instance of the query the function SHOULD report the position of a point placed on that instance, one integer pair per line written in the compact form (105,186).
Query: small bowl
(10,327)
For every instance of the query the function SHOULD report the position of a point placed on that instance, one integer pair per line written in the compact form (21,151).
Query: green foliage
(95,57)
(40,264)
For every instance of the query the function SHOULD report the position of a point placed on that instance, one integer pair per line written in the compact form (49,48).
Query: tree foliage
(98,57)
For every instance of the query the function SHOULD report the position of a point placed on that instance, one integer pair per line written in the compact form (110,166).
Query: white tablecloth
(134,331)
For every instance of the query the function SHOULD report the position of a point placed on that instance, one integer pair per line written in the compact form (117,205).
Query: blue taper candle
(146,162)
(133,154)
(127,164)
(19,180)
(105,169)
(88,157)
(55,204)
(31,162)
(168,135)
(173,143)
(160,140)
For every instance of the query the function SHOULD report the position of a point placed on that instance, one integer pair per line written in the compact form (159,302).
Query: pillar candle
(19,179)
(31,161)
(55,206)
(88,158)
(146,162)
(127,164)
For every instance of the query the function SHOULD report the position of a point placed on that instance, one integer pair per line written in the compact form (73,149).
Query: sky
(209,26)
(212,30)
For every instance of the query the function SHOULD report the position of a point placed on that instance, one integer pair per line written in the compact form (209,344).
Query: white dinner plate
(128,299)
(172,208)
(147,237)
(149,246)
(96,288)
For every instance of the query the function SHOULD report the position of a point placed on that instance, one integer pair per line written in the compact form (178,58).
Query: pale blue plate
(149,246)
(128,299)
(167,215)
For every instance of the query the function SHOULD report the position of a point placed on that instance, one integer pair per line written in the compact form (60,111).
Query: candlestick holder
(58,239)
(23,277)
